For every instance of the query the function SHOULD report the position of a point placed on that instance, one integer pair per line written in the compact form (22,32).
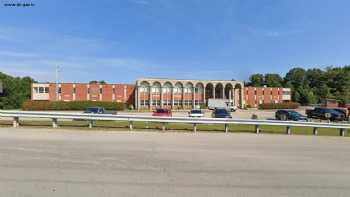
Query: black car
(221,113)
(325,114)
(289,115)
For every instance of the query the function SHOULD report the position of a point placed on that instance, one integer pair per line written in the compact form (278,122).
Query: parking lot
(46,162)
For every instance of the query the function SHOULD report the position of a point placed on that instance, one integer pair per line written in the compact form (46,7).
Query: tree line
(309,86)
(16,90)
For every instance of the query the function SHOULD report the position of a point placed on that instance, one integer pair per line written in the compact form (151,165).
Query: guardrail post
(342,132)
(257,129)
(315,131)
(54,123)
(226,128)
(288,130)
(15,122)
(195,127)
(91,123)
(130,125)
(163,126)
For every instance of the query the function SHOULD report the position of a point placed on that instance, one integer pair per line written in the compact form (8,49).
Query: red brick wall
(94,92)
(107,92)
(81,92)
(265,95)
(67,92)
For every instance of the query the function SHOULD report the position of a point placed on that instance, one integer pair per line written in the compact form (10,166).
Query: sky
(121,40)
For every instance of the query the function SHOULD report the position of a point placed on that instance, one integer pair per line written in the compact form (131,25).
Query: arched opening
(144,90)
(238,95)
(188,95)
(209,89)
(229,92)
(178,89)
(219,91)
(166,91)
(199,95)
(155,95)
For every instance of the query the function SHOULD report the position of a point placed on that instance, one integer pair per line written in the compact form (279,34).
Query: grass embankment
(123,125)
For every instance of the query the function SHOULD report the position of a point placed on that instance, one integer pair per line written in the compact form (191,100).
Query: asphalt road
(46,162)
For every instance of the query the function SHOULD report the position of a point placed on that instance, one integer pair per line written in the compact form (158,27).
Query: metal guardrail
(54,116)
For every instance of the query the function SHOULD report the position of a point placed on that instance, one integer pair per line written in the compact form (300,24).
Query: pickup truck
(98,110)
(325,114)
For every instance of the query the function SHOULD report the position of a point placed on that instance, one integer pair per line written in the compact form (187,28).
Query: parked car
(221,113)
(289,115)
(196,113)
(325,114)
(98,110)
(162,112)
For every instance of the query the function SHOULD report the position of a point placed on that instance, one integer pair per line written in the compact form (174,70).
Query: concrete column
(15,122)
(161,96)
(172,98)
(54,123)
(213,91)
(315,131)
(150,97)
(204,99)
(182,99)
(193,97)
(288,130)
(223,92)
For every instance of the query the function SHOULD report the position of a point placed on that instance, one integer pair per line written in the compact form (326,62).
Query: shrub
(287,105)
(71,105)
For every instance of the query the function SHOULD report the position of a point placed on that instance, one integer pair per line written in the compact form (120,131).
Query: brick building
(150,93)
(259,95)
(83,92)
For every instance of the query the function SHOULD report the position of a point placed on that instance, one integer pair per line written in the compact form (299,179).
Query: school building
(152,93)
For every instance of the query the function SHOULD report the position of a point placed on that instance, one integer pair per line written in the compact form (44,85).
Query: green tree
(273,80)
(16,91)
(257,80)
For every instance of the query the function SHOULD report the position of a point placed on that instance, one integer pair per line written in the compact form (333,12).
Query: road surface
(47,162)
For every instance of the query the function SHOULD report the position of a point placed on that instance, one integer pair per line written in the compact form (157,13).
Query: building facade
(151,93)
(83,92)
(184,94)
(254,96)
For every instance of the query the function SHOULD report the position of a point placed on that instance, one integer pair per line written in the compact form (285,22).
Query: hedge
(287,105)
(71,105)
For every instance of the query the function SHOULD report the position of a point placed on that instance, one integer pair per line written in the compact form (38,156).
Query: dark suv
(289,115)
(325,114)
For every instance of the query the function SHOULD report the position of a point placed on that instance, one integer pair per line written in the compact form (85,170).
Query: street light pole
(56,73)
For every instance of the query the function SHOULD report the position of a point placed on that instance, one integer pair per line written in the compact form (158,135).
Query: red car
(162,112)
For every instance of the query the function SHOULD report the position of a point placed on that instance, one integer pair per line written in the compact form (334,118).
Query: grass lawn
(181,127)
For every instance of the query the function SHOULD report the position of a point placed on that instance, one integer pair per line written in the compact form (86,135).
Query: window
(144,89)
(100,90)
(286,92)
(59,90)
(88,91)
(36,90)
(41,90)
(74,90)
(46,89)
(255,92)
(113,90)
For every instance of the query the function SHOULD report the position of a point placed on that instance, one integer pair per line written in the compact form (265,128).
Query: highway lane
(47,162)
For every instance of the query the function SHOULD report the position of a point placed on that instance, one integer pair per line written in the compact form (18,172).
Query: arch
(155,89)
(199,94)
(167,95)
(178,95)
(188,88)
(144,87)
(209,90)
(219,91)
(228,91)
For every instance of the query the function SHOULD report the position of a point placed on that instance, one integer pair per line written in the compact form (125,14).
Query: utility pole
(56,73)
